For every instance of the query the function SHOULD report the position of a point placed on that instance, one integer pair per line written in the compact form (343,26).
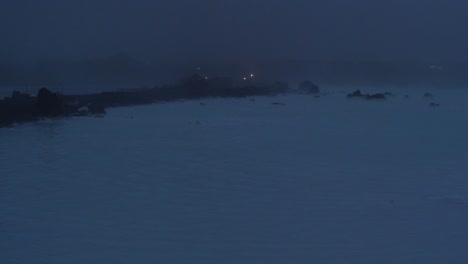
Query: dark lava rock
(356,93)
(21,108)
(278,103)
(17,109)
(48,104)
(428,95)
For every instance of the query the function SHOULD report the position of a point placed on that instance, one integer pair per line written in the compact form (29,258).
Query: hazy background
(136,35)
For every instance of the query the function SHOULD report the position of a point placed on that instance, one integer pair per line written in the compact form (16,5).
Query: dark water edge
(22,107)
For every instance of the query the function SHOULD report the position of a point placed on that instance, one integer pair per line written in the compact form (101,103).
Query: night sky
(230,30)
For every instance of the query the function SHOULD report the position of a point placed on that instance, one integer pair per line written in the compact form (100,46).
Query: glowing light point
(251,75)
(206,78)
(245,78)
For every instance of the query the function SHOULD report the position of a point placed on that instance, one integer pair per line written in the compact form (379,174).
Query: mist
(233,131)
(234,31)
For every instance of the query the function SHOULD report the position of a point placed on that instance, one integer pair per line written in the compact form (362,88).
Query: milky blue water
(324,180)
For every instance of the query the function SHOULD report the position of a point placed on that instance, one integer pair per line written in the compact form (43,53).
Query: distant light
(206,78)
(198,68)
(245,78)
(251,75)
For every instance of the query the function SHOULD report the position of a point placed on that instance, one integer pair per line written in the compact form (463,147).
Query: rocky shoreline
(21,108)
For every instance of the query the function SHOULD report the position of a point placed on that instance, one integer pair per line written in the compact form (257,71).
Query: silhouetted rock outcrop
(22,107)
(16,109)
(358,94)
(48,104)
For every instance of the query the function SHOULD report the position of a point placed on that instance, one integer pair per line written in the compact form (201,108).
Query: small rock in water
(278,103)
(356,93)
(428,95)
